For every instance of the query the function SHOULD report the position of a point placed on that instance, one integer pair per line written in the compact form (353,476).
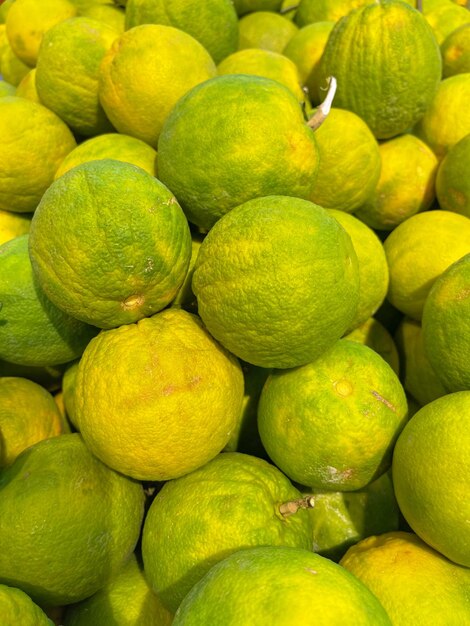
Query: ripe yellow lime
(282,586)
(372,265)
(28,414)
(146,71)
(406,183)
(418,251)
(34,142)
(67,72)
(418,376)
(185,391)
(27,87)
(446,17)
(13,225)
(447,119)
(374,334)
(265,63)
(28,20)
(68,523)
(349,164)
(277,281)
(332,424)
(33,331)
(215,154)
(446,326)
(305,48)
(266,30)
(232,502)
(369,51)
(214,23)
(455,51)
(129,252)
(452,181)
(17,608)
(341,519)
(110,14)
(111,146)
(414,583)
(431,464)
(126,600)
(13,69)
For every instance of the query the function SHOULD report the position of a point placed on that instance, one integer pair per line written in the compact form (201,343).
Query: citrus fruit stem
(292,506)
(322,111)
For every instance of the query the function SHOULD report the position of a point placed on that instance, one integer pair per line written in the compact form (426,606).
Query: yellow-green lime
(314,11)
(33,331)
(34,142)
(4,8)
(6,89)
(369,51)
(332,424)
(109,14)
(111,146)
(13,225)
(406,185)
(418,376)
(372,265)
(445,18)
(446,328)
(143,75)
(214,23)
(259,62)
(414,583)
(17,608)
(214,154)
(68,523)
(266,30)
(232,502)
(341,519)
(374,334)
(248,6)
(245,438)
(455,51)
(452,182)
(418,251)
(447,118)
(129,252)
(185,297)
(28,20)
(277,281)
(349,163)
(283,586)
(68,69)
(305,48)
(28,414)
(13,69)
(69,380)
(126,600)
(185,391)
(27,87)
(431,464)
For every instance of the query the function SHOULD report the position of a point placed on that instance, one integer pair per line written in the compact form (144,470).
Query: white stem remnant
(291,507)
(322,111)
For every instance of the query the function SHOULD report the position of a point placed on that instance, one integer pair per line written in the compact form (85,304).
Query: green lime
(18,608)
(276,281)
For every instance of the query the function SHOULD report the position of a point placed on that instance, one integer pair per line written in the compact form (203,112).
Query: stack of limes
(234,312)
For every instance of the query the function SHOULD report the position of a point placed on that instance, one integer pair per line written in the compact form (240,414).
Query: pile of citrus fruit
(234,312)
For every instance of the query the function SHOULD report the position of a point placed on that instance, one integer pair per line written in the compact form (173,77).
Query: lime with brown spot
(332,424)
(128,253)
